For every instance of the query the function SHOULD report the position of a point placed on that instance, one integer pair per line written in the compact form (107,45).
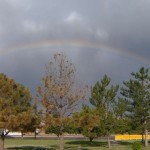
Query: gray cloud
(121,26)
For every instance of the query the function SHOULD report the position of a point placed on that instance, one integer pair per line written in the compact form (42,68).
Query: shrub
(136,146)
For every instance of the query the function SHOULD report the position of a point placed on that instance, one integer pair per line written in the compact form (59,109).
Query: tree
(87,122)
(36,123)
(33,120)
(15,107)
(52,126)
(121,120)
(102,96)
(59,92)
(136,92)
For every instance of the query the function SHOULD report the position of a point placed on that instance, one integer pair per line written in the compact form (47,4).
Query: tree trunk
(35,134)
(61,127)
(2,142)
(91,139)
(61,144)
(21,134)
(143,138)
(108,140)
(58,137)
(146,137)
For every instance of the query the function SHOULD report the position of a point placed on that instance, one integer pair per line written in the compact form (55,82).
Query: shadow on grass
(125,142)
(42,148)
(75,148)
(29,148)
(68,147)
(74,145)
(88,143)
(99,143)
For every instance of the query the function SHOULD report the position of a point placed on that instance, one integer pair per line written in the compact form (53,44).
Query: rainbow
(72,43)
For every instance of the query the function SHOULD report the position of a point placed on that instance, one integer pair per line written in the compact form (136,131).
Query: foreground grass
(30,144)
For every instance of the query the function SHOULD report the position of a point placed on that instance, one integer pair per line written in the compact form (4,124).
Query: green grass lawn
(30,144)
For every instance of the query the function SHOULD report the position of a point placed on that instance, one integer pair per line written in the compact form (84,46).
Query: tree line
(112,109)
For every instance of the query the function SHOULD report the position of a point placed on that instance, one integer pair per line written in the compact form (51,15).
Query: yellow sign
(129,137)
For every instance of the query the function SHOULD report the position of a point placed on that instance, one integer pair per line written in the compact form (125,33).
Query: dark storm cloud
(129,25)
(119,24)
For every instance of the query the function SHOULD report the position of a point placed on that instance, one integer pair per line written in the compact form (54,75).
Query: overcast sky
(100,37)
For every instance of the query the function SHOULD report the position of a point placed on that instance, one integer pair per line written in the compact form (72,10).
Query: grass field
(30,144)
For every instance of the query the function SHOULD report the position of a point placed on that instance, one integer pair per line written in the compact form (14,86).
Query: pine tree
(102,96)
(136,92)
(87,122)
(15,107)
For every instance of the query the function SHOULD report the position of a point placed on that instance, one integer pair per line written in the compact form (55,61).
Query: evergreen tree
(15,108)
(136,92)
(87,122)
(102,97)
(121,120)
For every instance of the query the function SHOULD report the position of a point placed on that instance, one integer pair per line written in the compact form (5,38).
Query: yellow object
(129,137)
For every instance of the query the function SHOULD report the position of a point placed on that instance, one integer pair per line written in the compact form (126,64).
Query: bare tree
(59,93)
